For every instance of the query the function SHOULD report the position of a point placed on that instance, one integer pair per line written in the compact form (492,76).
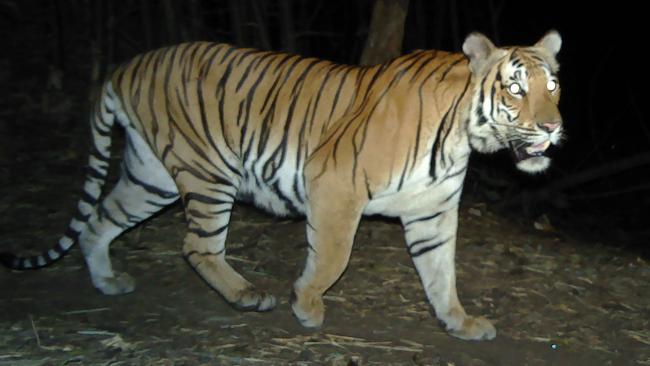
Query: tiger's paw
(121,283)
(474,329)
(251,299)
(309,312)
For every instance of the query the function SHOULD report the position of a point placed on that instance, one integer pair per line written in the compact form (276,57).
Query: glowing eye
(551,85)
(514,89)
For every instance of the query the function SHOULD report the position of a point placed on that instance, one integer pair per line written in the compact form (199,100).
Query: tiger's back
(261,114)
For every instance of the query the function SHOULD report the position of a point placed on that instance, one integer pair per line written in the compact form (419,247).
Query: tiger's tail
(102,119)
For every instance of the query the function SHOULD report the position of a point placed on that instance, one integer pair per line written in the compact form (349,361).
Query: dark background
(54,52)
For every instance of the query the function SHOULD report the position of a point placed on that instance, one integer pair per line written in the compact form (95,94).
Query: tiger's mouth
(529,151)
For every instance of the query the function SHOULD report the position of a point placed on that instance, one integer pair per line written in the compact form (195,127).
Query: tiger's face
(515,104)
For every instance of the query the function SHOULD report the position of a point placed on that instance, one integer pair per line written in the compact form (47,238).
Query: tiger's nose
(549,126)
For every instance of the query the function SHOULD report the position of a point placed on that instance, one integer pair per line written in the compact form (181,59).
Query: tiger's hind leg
(144,188)
(207,209)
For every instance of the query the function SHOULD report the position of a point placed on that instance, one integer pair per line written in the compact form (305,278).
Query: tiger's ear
(478,49)
(551,42)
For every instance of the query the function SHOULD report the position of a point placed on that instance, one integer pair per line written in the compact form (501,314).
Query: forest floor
(554,298)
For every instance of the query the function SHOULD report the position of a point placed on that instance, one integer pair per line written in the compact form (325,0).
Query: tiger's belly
(420,194)
(281,194)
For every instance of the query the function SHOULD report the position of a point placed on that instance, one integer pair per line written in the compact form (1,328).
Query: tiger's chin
(531,159)
(536,164)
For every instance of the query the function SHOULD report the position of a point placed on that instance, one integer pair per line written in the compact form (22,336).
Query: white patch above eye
(551,85)
(514,89)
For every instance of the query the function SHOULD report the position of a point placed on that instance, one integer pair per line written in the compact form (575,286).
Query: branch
(582,177)
(601,171)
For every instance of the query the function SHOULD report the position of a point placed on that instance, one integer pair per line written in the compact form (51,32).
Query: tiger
(211,123)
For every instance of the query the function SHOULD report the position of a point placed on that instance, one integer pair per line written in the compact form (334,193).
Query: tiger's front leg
(431,241)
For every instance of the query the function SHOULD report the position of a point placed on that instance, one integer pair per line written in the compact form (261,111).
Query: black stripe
(455,174)
(451,66)
(94,173)
(206,234)
(332,70)
(221,191)
(9,260)
(199,214)
(422,66)
(368,191)
(293,210)
(130,218)
(182,106)
(202,254)
(72,234)
(344,77)
(192,196)
(104,213)
(206,130)
(453,114)
(98,154)
(460,188)
(60,250)
(157,204)
(425,218)
(421,241)
(403,174)
(428,248)
(100,131)
(436,145)
(86,197)
(81,217)
(147,187)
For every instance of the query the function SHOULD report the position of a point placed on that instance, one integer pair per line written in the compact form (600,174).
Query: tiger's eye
(514,88)
(551,85)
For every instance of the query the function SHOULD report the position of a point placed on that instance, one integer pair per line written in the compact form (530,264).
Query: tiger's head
(515,99)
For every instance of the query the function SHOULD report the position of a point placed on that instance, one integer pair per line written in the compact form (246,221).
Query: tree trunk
(286,27)
(386,31)
(110,35)
(170,20)
(259,14)
(236,22)
(196,19)
(147,29)
(56,67)
(98,42)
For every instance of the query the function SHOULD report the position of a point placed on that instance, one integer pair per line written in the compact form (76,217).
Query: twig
(96,332)
(334,298)
(616,192)
(239,259)
(603,170)
(86,311)
(640,336)
(412,343)
(38,339)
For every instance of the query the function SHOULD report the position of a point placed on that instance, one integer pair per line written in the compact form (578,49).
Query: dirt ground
(554,299)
